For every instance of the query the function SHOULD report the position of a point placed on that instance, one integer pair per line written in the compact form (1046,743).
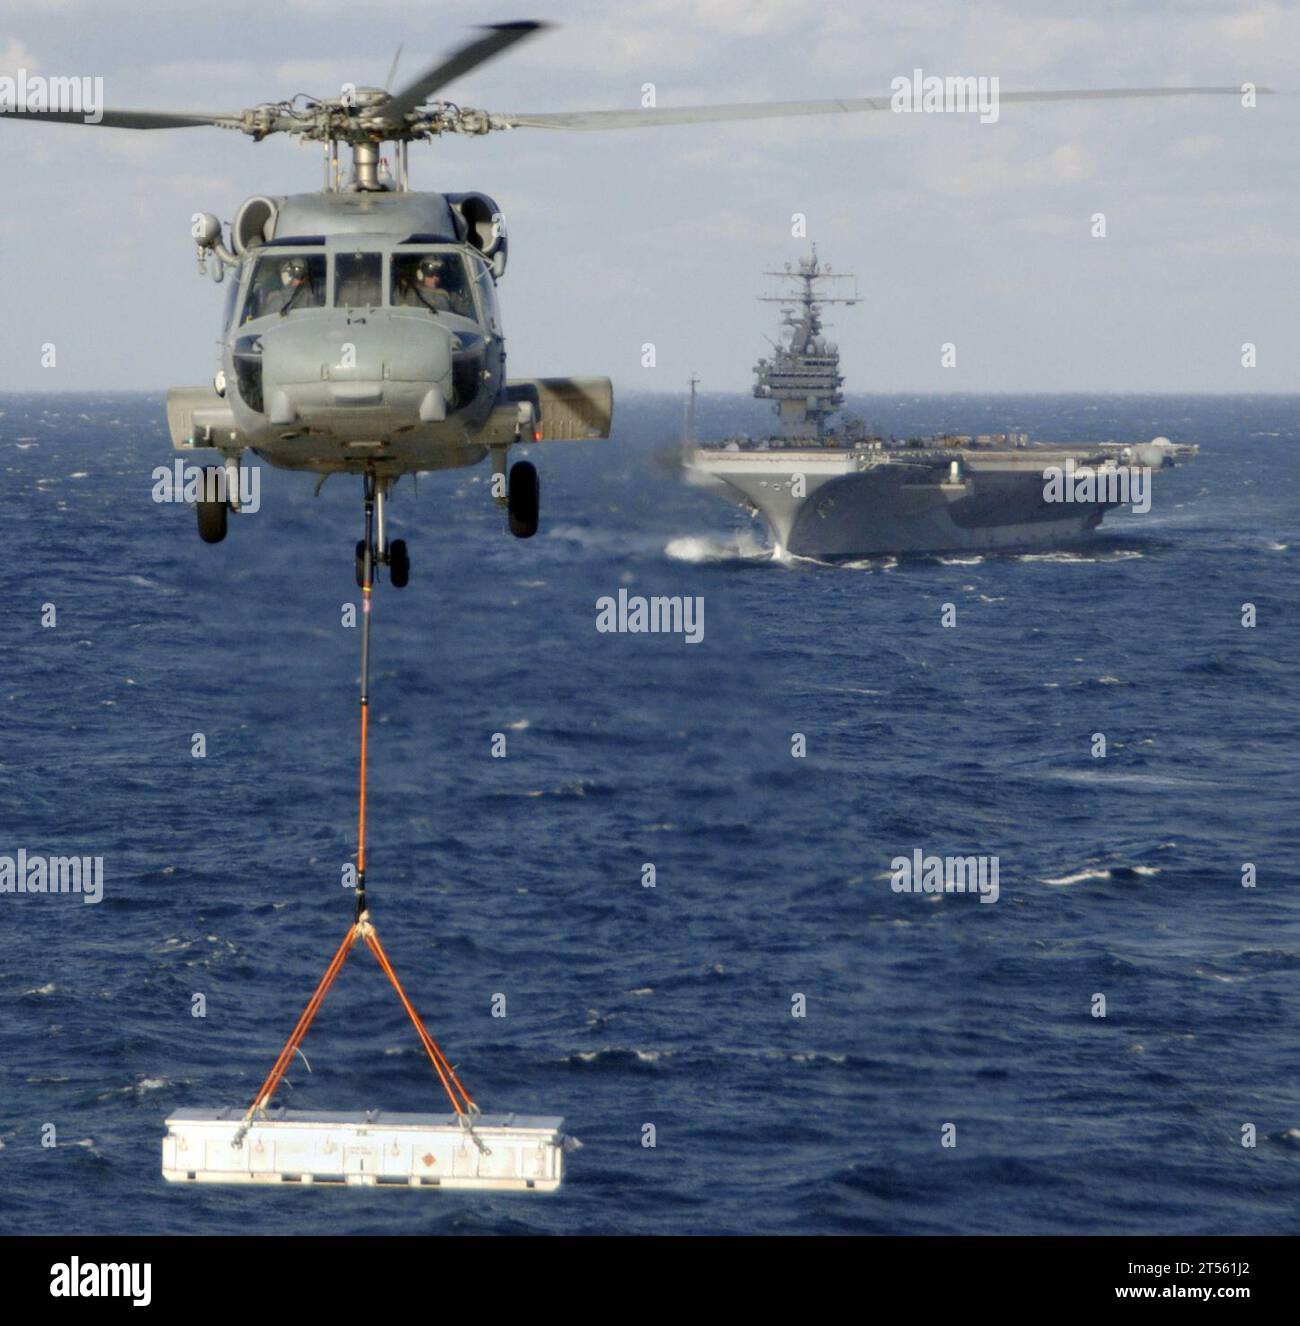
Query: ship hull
(832,505)
(863,515)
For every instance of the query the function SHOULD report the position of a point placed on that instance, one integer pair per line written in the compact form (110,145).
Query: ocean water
(522,876)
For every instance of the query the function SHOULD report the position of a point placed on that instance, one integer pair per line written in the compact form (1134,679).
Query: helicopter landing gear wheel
(374,547)
(523,499)
(399,564)
(212,515)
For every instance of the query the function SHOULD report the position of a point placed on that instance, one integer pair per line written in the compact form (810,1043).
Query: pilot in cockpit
(295,289)
(424,285)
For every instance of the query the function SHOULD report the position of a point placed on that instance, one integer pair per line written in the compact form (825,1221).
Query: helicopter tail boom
(558,410)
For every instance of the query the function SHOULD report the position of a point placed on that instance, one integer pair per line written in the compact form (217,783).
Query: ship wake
(701,548)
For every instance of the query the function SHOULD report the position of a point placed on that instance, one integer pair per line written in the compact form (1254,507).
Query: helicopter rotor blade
(130,119)
(392,69)
(500,37)
(763,110)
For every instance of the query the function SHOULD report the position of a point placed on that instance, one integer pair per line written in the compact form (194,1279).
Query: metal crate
(374,1149)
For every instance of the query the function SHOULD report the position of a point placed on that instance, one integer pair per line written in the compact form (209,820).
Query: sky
(963,233)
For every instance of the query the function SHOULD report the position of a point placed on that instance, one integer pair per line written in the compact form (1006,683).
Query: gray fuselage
(357,372)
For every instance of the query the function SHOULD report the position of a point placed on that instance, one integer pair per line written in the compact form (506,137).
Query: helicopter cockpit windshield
(358,280)
(285,284)
(435,281)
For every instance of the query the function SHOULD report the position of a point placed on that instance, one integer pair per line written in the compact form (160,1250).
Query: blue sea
(523,876)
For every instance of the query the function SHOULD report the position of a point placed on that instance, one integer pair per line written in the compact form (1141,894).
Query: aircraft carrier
(832,493)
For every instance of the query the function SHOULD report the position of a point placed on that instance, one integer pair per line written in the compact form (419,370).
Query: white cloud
(935,212)
(996,171)
(203,78)
(138,147)
(1251,240)
(14,56)
(1055,225)
(1195,146)
(325,78)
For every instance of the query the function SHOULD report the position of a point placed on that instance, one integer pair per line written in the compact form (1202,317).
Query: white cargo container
(373,1148)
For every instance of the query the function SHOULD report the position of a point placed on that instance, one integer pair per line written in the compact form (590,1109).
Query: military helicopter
(362,333)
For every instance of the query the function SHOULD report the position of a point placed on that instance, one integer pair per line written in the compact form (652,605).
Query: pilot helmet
(293,270)
(430,267)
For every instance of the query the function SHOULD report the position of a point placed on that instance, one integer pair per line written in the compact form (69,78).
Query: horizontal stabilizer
(566,409)
(198,417)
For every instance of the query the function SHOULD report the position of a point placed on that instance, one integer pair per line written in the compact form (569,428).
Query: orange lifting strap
(461,1100)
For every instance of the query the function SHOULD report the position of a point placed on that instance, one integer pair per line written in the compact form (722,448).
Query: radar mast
(802,377)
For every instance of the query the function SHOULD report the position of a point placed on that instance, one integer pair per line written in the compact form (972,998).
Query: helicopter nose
(318,372)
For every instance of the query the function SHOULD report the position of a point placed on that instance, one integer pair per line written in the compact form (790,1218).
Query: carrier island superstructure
(831,492)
